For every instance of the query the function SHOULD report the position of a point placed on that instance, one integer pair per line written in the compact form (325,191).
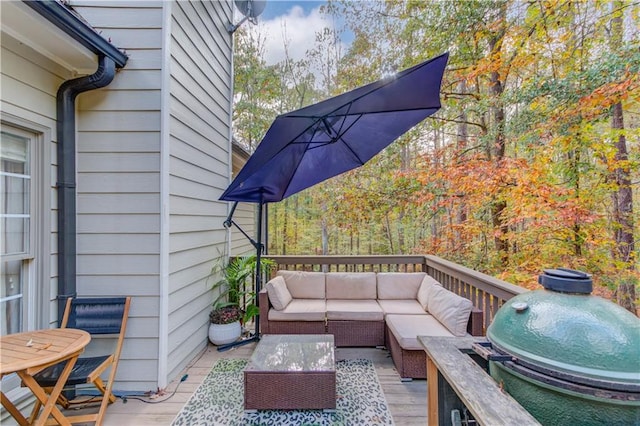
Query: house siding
(152,152)
(118,182)
(245,213)
(200,91)
(245,217)
(29,84)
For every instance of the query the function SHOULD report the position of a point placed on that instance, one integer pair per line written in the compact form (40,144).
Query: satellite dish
(250,9)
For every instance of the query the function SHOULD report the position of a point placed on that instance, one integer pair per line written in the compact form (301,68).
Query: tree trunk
(285,243)
(499,147)
(622,195)
(461,145)
(325,231)
(623,214)
(401,231)
(387,225)
(574,158)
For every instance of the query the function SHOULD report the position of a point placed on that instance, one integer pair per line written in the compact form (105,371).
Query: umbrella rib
(339,133)
(339,137)
(327,126)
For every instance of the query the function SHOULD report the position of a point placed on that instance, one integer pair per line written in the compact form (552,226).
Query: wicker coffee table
(289,372)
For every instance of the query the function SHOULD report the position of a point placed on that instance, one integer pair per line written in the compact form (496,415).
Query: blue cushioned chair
(97,316)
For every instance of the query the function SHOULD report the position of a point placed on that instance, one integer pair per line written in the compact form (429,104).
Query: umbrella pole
(258,245)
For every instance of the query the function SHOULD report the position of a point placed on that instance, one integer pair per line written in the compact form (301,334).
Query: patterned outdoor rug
(220,398)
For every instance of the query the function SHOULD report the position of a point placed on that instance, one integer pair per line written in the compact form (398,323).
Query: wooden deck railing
(351,263)
(486,292)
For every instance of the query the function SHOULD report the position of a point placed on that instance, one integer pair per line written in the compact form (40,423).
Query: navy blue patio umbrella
(309,145)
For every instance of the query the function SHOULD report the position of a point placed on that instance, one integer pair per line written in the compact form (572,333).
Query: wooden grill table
(28,353)
(289,372)
(455,381)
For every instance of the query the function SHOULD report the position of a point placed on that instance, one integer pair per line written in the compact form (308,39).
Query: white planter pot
(221,334)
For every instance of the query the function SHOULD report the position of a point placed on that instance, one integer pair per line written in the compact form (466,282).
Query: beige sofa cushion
(300,310)
(403,307)
(399,285)
(279,295)
(304,285)
(407,328)
(425,289)
(351,285)
(450,309)
(354,310)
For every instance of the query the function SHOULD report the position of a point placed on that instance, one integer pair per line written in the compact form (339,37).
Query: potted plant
(235,303)
(225,325)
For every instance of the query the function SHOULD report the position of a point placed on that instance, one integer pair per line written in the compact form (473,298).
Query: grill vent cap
(566,281)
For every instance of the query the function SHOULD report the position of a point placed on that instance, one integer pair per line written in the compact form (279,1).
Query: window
(16,227)
(25,230)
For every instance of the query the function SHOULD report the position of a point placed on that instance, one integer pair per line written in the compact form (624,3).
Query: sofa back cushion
(279,295)
(450,309)
(425,290)
(399,285)
(351,285)
(304,285)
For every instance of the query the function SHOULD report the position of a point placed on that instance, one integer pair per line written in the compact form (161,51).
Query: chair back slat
(97,315)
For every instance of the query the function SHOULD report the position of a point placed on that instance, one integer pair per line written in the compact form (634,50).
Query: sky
(276,8)
(295,21)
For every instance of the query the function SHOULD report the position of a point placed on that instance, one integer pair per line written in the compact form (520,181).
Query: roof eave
(62,17)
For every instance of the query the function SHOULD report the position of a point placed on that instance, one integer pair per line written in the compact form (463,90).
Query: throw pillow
(450,309)
(425,289)
(278,293)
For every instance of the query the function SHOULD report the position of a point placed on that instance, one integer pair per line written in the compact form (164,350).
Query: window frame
(38,290)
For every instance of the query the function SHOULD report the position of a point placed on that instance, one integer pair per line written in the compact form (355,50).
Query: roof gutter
(109,58)
(73,25)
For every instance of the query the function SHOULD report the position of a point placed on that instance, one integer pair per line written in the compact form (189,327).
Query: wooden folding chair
(97,316)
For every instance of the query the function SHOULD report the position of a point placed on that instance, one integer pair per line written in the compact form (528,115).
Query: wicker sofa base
(346,333)
(410,364)
(357,333)
(296,327)
(290,390)
(286,383)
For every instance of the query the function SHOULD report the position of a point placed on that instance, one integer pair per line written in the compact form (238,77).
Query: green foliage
(234,286)
(226,315)
(554,70)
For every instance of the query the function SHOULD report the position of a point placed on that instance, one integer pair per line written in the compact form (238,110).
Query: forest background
(532,162)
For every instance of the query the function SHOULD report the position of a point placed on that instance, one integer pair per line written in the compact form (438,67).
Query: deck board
(407,400)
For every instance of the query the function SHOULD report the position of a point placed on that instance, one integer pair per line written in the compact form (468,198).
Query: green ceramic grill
(568,357)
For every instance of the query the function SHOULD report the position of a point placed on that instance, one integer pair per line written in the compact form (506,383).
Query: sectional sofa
(368,309)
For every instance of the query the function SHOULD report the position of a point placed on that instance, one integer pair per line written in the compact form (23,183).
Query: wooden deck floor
(407,400)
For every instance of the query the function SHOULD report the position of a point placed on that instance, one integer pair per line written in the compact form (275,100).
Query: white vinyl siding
(118,182)
(29,84)
(152,154)
(245,217)
(198,167)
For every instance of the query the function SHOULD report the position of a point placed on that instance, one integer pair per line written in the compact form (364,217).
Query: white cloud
(296,29)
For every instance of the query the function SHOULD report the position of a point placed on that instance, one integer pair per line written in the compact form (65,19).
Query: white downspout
(165,96)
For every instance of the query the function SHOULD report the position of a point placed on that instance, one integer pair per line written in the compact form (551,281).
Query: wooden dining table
(30,352)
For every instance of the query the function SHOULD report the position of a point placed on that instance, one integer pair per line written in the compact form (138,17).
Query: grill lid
(578,335)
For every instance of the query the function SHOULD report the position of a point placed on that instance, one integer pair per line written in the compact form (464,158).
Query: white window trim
(38,295)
